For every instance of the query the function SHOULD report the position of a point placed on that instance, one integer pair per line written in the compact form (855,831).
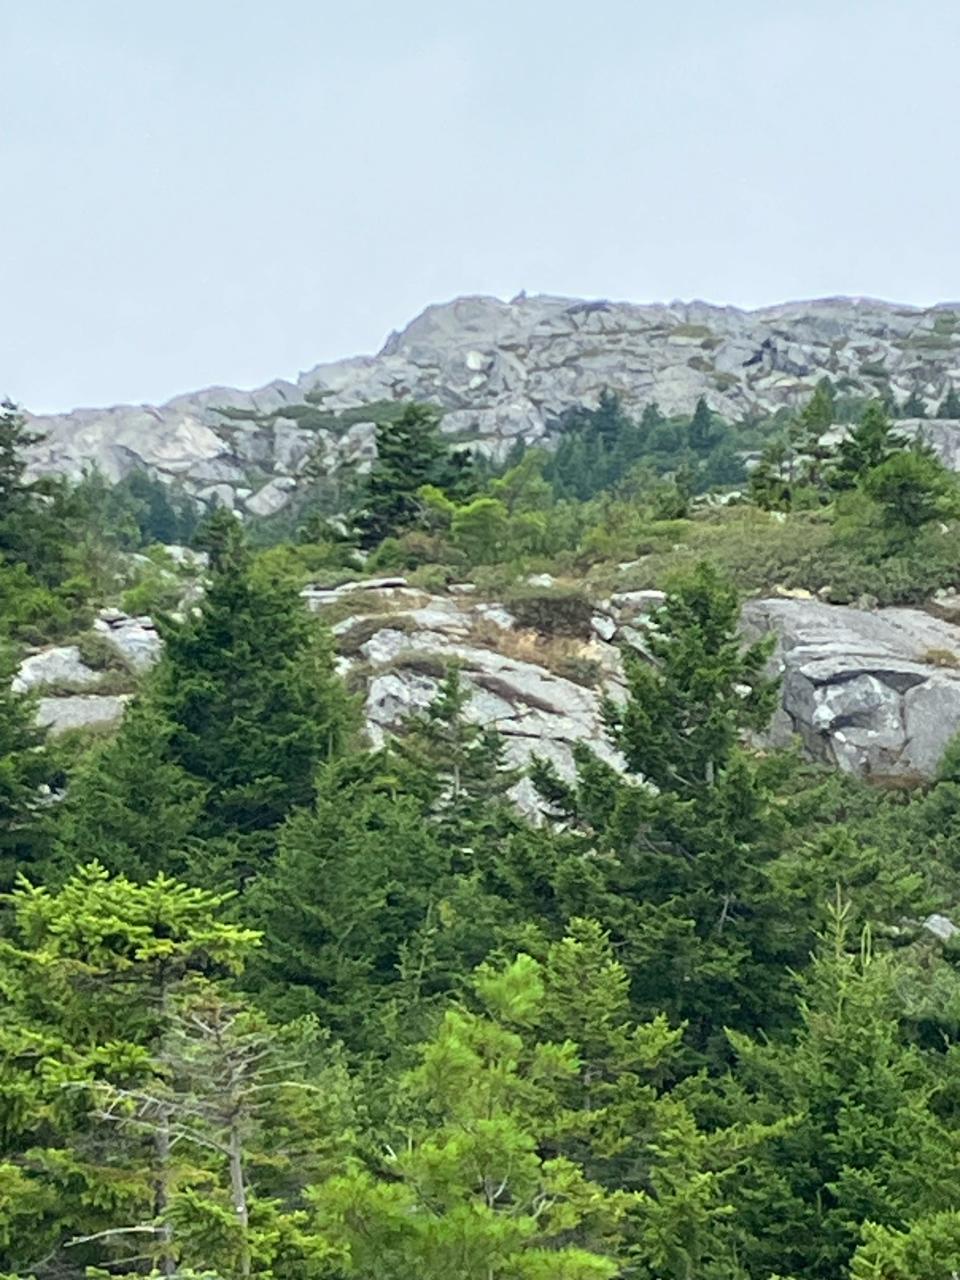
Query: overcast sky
(227,191)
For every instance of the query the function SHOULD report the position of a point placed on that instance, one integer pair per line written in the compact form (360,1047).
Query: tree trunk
(238,1193)
(168,1265)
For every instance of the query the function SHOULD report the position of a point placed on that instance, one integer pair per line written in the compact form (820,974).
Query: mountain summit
(509,370)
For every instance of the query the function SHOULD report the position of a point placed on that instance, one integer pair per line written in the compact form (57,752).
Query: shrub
(553,611)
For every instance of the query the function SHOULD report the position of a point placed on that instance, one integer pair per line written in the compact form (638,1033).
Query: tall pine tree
(254,707)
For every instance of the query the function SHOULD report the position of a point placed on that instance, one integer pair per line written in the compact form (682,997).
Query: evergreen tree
(868,445)
(703,432)
(247,1114)
(864,1142)
(684,885)
(86,979)
(25,769)
(33,519)
(220,534)
(771,481)
(950,404)
(249,691)
(410,455)
(130,806)
(353,881)
(468,1187)
(685,715)
(813,422)
(457,768)
(912,488)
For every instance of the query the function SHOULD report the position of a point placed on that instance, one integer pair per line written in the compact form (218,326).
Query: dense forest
(280,1004)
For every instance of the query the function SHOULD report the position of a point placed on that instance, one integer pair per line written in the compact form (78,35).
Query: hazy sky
(227,191)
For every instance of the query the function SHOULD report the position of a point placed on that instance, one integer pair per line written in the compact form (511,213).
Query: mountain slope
(504,370)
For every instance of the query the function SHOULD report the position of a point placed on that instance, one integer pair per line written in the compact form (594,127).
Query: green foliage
(683,884)
(911,488)
(871,443)
(410,455)
(466,1189)
(598,449)
(864,1126)
(130,805)
(24,768)
(950,404)
(254,708)
(590,1048)
(138,511)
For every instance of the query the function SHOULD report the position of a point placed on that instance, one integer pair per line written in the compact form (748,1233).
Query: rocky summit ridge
(508,370)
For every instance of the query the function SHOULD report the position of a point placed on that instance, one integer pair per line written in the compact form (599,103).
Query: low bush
(552,611)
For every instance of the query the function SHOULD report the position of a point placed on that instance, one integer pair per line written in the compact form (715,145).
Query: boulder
(80,711)
(136,640)
(875,692)
(273,497)
(61,665)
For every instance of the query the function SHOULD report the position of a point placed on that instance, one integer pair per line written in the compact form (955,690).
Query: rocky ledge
(875,693)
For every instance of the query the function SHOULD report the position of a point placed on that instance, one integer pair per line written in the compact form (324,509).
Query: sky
(202,192)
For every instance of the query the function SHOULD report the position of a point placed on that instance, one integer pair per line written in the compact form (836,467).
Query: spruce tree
(950,404)
(130,806)
(410,454)
(457,768)
(869,444)
(249,690)
(684,885)
(813,422)
(354,880)
(703,434)
(863,1141)
(469,1185)
(25,769)
(87,974)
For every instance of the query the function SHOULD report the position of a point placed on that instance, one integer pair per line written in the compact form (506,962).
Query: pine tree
(864,1142)
(130,806)
(410,454)
(255,708)
(869,444)
(950,404)
(467,1187)
(25,771)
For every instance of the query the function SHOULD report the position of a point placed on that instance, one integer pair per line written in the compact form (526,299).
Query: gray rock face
(135,639)
(876,693)
(504,370)
(58,666)
(81,711)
